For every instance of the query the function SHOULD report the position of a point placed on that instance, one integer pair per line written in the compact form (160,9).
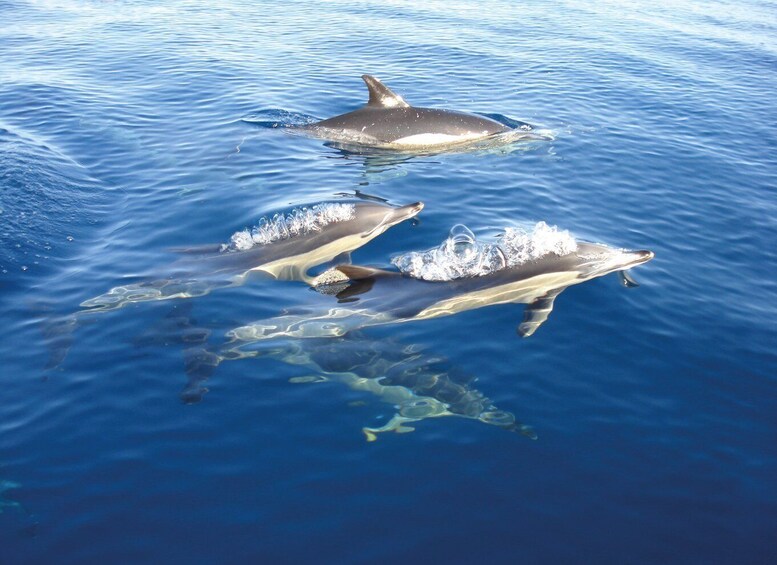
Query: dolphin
(369,296)
(387,121)
(288,247)
(418,384)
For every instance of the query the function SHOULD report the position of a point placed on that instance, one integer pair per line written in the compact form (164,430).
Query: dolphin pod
(285,247)
(327,337)
(386,121)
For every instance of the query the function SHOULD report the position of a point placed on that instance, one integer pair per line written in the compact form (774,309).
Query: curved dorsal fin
(381,96)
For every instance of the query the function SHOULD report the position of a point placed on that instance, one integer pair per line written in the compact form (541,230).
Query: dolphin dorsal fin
(357,273)
(381,96)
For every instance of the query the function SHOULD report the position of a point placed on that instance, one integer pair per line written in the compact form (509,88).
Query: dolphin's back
(392,125)
(405,297)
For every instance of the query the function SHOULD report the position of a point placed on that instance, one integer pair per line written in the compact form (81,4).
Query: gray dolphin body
(373,297)
(289,257)
(387,121)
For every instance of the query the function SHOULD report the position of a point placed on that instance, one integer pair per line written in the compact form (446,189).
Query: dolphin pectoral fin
(536,314)
(358,273)
(627,280)
(396,424)
(381,96)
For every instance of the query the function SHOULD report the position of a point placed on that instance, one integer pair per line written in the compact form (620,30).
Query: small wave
(462,255)
(508,121)
(278,118)
(299,221)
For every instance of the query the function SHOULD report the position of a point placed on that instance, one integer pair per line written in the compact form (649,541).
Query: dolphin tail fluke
(396,425)
(536,314)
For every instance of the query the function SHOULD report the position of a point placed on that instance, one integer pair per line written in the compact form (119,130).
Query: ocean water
(129,128)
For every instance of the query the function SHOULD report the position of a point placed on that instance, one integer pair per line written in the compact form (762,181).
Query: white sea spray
(462,255)
(299,221)
(521,246)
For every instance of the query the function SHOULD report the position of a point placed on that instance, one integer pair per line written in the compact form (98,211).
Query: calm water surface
(126,129)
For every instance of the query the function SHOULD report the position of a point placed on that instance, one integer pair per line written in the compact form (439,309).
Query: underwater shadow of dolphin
(388,122)
(419,385)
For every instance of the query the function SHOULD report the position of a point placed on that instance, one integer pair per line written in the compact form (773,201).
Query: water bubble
(70,238)
(461,242)
(462,255)
(298,222)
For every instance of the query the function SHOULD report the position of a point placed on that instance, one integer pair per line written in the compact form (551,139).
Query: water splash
(299,221)
(521,246)
(462,255)
(278,118)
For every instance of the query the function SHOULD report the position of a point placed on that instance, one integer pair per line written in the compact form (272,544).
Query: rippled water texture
(128,129)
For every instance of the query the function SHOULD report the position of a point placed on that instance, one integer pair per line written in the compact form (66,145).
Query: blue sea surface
(129,128)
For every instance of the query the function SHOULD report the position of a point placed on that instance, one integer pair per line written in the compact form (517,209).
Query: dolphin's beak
(404,212)
(641,256)
(395,216)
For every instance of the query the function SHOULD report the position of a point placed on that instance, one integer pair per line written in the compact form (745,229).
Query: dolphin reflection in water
(418,384)
(463,274)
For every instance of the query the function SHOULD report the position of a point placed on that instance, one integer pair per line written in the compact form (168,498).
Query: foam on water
(299,221)
(462,255)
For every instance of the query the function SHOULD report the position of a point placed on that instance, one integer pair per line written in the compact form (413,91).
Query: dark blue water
(122,134)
